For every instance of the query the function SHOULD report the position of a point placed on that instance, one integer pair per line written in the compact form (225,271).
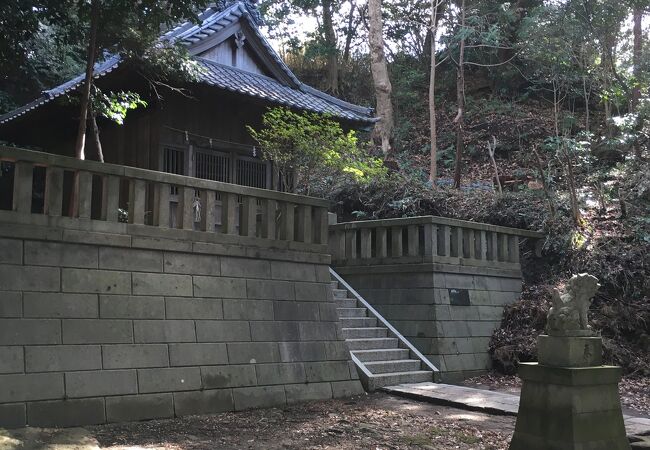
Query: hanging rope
(210,140)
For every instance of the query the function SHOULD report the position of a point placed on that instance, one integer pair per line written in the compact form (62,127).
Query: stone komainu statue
(569,311)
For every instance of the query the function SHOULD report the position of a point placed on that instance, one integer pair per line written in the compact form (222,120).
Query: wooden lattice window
(252,172)
(212,166)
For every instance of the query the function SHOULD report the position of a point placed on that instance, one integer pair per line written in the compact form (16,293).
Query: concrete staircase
(382,355)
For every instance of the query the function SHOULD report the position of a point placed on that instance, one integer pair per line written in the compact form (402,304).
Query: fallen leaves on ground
(377,421)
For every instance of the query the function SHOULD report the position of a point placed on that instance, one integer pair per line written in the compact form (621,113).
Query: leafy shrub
(311,149)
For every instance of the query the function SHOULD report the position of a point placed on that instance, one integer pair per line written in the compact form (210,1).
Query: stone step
(358,322)
(352,312)
(371,343)
(381,355)
(346,302)
(356,333)
(393,378)
(398,365)
(340,293)
(335,284)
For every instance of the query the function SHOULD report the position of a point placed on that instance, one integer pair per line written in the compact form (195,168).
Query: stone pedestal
(574,351)
(564,407)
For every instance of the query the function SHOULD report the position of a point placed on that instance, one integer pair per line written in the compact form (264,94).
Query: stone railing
(426,239)
(53,190)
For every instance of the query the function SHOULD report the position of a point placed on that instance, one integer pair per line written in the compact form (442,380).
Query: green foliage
(307,148)
(48,60)
(115,105)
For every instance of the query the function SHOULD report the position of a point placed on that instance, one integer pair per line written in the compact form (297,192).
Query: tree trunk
(606,65)
(383,88)
(548,193)
(460,99)
(636,61)
(88,81)
(586,93)
(349,34)
(330,42)
(556,108)
(95,133)
(492,146)
(433,171)
(573,193)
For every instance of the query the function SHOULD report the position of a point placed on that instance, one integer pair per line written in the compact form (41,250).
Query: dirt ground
(377,421)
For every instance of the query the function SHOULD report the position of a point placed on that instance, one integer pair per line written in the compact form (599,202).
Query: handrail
(384,322)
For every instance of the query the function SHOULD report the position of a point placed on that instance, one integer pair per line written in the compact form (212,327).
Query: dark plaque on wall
(459,297)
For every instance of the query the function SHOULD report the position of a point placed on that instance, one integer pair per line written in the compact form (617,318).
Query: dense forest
(530,113)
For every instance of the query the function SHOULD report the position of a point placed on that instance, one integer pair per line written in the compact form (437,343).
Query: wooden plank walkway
(490,402)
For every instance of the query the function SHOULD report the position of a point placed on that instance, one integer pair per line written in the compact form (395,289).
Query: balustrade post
(381,242)
(304,224)
(446,244)
(161,205)
(471,241)
(413,233)
(513,249)
(351,244)
(366,243)
(137,190)
(287,221)
(396,244)
(503,244)
(110,198)
(268,218)
(209,204)
(23,179)
(321,225)
(459,242)
(228,210)
(185,212)
(338,245)
(495,246)
(430,240)
(85,194)
(484,246)
(54,191)
(248,226)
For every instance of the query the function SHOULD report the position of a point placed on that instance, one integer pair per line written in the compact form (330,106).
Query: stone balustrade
(426,239)
(55,186)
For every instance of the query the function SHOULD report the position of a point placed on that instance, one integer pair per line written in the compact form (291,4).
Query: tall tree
(79,149)
(436,13)
(637,51)
(460,100)
(330,47)
(383,88)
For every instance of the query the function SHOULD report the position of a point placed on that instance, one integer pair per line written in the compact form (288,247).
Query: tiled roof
(298,95)
(260,86)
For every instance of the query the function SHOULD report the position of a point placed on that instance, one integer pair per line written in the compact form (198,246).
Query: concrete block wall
(114,328)
(414,298)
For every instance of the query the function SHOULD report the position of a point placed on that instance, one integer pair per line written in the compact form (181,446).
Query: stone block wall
(100,327)
(454,333)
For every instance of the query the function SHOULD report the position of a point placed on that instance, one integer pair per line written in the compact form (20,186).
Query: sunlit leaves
(313,145)
(115,105)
